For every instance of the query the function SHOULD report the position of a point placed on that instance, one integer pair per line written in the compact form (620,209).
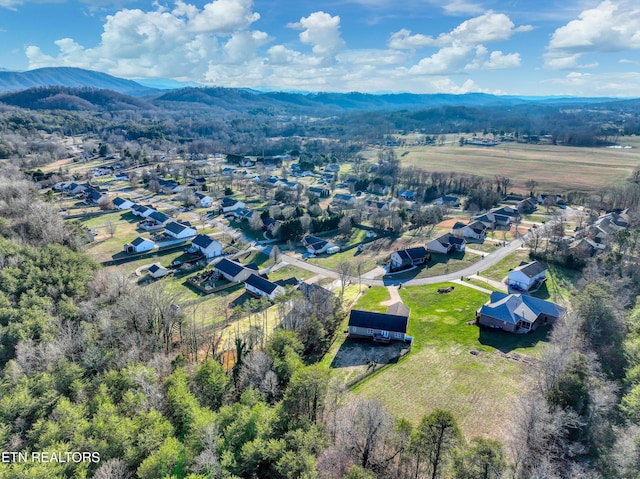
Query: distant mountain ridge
(70,77)
(69,88)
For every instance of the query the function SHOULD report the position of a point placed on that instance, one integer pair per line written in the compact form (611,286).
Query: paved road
(489,260)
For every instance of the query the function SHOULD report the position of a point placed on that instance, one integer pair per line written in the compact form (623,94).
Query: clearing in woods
(555,168)
(476,374)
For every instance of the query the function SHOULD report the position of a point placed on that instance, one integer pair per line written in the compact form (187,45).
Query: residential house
(139,245)
(92,196)
(158,271)
(243,214)
(491,220)
(381,327)
(154,221)
(446,244)
(316,245)
(122,203)
(319,191)
(259,286)
(506,211)
(75,188)
(526,276)
(120,177)
(475,230)
(527,206)
(405,258)
(205,200)
(377,205)
(585,247)
(230,204)
(179,230)
(407,195)
(142,211)
(208,246)
(234,271)
(517,313)
(333,168)
(344,200)
(450,201)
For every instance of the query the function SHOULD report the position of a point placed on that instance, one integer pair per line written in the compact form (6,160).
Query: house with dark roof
(446,244)
(344,200)
(154,221)
(405,258)
(205,244)
(229,204)
(474,230)
(407,195)
(526,276)
(141,210)
(316,245)
(319,191)
(450,201)
(179,230)
(380,327)
(243,214)
(258,286)
(122,203)
(205,200)
(158,271)
(527,206)
(517,313)
(234,271)
(139,245)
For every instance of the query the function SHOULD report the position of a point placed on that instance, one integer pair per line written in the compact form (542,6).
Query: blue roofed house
(517,313)
(407,195)
(234,271)
(122,203)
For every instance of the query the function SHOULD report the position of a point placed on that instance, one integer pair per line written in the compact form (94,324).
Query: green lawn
(371,299)
(331,262)
(500,270)
(287,272)
(441,372)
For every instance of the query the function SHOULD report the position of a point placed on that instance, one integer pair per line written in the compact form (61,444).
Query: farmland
(555,168)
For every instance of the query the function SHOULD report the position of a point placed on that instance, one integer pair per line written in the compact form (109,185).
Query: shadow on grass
(361,352)
(542,292)
(507,342)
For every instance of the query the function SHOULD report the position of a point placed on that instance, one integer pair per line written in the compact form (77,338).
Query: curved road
(491,259)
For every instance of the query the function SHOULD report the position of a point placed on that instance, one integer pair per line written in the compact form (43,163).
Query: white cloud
(496,61)
(599,84)
(447,60)
(609,27)
(224,17)
(403,40)
(457,7)
(322,32)
(10,4)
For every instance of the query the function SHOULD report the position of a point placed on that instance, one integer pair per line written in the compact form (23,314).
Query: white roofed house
(526,276)
(178,230)
(259,286)
(208,246)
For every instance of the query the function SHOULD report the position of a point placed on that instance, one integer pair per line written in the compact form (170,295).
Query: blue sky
(519,47)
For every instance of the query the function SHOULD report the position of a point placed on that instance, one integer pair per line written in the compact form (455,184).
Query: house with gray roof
(446,244)
(526,276)
(179,230)
(405,258)
(234,271)
(139,245)
(517,313)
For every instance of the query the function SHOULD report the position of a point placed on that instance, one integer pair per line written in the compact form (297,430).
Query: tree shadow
(506,342)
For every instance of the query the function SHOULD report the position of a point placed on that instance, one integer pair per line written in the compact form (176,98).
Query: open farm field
(555,168)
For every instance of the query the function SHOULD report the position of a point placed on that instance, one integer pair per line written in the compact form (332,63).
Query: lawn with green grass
(455,365)
(500,270)
(369,260)
(371,299)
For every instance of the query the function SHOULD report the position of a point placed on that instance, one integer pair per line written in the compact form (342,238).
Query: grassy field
(555,168)
(440,372)
(500,270)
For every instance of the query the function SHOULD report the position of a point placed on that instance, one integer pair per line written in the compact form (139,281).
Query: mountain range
(68,88)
